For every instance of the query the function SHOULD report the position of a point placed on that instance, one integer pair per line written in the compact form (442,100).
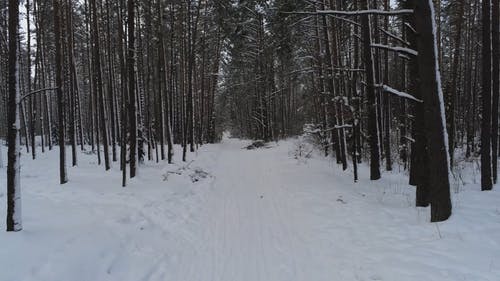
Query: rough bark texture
(452,89)
(98,85)
(495,23)
(419,167)
(486,178)
(370,93)
(131,89)
(63,178)
(432,95)
(14,153)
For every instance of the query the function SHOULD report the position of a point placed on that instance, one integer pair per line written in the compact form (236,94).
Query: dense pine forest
(405,83)
(249,139)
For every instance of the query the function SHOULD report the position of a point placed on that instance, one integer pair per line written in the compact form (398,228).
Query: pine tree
(98,84)
(373,130)
(486,174)
(132,124)
(495,37)
(61,105)
(14,222)
(434,117)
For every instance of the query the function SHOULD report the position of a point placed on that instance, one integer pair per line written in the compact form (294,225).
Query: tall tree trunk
(376,65)
(111,94)
(486,175)
(32,105)
(495,23)
(89,73)
(131,88)
(371,95)
(73,90)
(169,98)
(330,88)
(60,96)
(452,90)
(322,88)
(435,123)
(14,153)
(124,96)
(98,85)
(356,104)
(387,99)
(419,159)
(191,61)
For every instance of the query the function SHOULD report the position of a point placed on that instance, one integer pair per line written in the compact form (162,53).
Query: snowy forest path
(253,235)
(232,214)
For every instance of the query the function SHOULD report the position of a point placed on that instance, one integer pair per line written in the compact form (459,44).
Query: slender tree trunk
(169,99)
(61,100)
(111,93)
(161,79)
(452,90)
(190,68)
(387,99)
(371,95)
(486,173)
(98,84)
(322,89)
(495,23)
(73,91)
(329,86)
(14,153)
(356,104)
(32,104)
(124,96)
(131,88)
(377,80)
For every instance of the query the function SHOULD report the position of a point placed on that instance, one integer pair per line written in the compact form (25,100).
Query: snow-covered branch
(403,56)
(345,20)
(36,92)
(409,139)
(395,37)
(396,49)
(356,13)
(393,91)
(410,27)
(346,126)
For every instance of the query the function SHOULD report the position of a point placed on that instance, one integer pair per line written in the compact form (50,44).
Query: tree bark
(60,96)
(387,99)
(486,174)
(98,84)
(371,95)
(435,123)
(495,23)
(14,222)
(419,159)
(452,90)
(131,89)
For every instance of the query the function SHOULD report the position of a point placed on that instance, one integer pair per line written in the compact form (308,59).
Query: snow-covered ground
(250,215)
